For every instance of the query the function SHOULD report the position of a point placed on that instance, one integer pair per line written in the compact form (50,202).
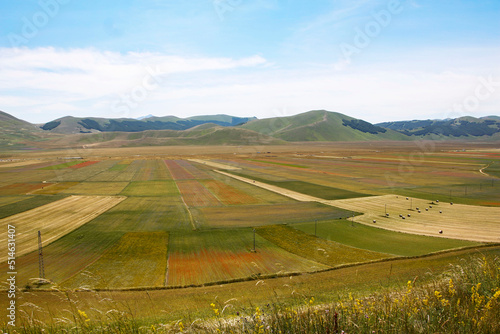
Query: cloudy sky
(376,60)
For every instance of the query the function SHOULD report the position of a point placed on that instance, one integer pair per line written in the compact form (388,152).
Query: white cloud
(40,85)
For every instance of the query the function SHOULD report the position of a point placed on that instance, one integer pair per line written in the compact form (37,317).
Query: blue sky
(374,60)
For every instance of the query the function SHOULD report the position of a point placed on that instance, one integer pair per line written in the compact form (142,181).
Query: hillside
(321,125)
(454,128)
(71,125)
(14,133)
(205,134)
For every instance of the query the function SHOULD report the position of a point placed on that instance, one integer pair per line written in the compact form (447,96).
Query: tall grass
(465,299)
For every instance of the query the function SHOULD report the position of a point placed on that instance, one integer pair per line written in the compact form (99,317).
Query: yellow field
(55,188)
(458,221)
(19,163)
(96,188)
(54,220)
(214,164)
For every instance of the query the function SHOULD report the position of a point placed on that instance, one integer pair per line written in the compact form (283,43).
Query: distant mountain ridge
(316,125)
(70,125)
(458,127)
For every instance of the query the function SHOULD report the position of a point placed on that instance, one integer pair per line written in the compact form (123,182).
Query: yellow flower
(82,314)
(451,287)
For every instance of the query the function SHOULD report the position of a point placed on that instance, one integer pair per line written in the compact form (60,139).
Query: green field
(144,252)
(323,251)
(25,203)
(312,189)
(63,165)
(379,240)
(151,189)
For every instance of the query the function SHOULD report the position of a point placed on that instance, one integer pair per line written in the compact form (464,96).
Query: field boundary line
(281,191)
(191,219)
(214,164)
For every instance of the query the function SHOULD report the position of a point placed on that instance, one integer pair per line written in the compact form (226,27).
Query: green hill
(322,125)
(205,134)
(71,125)
(16,133)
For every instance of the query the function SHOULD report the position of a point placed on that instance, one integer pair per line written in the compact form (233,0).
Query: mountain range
(316,125)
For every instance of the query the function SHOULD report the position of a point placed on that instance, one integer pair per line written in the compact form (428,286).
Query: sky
(375,60)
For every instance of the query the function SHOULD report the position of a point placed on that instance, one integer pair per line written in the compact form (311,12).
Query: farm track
(54,220)
(467,222)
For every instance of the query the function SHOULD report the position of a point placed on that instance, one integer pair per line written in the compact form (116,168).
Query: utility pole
(254,240)
(41,269)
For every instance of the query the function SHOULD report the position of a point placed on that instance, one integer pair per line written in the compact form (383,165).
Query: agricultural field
(54,220)
(379,240)
(323,251)
(412,215)
(143,252)
(172,218)
(225,255)
(257,215)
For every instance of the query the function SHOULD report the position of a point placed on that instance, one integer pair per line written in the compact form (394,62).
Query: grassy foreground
(463,299)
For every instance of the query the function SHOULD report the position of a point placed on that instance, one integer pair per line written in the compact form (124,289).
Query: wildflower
(437,294)
(181,326)
(82,314)
(451,287)
(311,301)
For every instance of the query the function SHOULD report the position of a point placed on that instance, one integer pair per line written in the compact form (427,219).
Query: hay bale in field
(440,231)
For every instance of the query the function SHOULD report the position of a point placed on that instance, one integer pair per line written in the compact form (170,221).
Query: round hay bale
(440,231)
